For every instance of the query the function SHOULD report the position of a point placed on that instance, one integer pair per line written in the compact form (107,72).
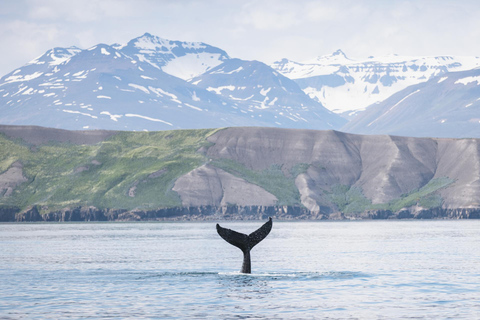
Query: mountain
(142,86)
(152,84)
(257,90)
(184,60)
(348,86)
(445,106)
(233,173)
(102,88)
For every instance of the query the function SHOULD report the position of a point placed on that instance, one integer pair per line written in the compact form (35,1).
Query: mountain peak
(148,41)
(339,52)
(336,58)
(148,35)
(55,56)
(151,43)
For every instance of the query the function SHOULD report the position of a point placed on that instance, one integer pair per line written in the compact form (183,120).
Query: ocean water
(302,270)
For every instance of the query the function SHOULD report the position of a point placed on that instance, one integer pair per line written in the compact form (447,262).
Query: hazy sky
(266,30)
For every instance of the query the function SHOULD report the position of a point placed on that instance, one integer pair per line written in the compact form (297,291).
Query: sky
(264,30)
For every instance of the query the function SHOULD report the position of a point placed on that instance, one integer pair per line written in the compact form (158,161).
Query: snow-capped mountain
(184,60)
(102,88)
(257,90)
(152,83)
(141,86)
(347,86)
(445,106)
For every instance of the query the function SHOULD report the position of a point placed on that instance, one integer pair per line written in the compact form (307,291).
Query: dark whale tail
(244,242)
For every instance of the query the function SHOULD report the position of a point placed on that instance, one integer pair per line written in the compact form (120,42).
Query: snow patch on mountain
(130,115)
(220,89)
(139,87)
(114,117)
(55,56)
(191,65)
(22,78)
(160,92)
(468,80)
(194,97)
(264,92)
(184,60)
(81,113)
(193,107)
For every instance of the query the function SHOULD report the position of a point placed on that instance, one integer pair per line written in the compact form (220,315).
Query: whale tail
(245,242)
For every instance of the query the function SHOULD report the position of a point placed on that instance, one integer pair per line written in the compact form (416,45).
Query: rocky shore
(206,213)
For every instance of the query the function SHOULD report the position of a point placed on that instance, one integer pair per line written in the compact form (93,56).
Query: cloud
(264,30)
(321,11)
(270,15)
(81,11)
(21,41)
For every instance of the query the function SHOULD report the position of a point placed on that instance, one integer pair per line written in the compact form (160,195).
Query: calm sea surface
(302,270)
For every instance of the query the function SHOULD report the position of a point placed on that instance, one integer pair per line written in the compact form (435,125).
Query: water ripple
(407,270)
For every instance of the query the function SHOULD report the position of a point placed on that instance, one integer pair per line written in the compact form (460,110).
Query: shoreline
(228,213)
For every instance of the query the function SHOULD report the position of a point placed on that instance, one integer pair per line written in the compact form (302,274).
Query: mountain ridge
(347,86)
(142,86)
(445,106)
(151,83)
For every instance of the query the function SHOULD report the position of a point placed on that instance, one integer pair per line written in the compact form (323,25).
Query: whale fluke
(244,242)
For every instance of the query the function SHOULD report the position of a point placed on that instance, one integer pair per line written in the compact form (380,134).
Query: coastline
(209,213)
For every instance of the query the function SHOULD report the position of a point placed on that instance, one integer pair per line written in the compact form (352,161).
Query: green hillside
(129,170)
(137,170)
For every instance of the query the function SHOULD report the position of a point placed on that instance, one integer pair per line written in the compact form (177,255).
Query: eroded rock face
(460,161)
(11,179)
(377,164)
(208,185)
(309,194)
(383,167)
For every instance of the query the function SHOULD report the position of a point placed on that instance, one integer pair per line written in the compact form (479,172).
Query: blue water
(302,270)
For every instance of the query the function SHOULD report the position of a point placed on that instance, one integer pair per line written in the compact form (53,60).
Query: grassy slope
(272,179)
(426,196)
(147,164)
(351,199)
(110,169)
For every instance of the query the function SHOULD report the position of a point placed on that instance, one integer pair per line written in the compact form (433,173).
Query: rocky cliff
(377,169)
